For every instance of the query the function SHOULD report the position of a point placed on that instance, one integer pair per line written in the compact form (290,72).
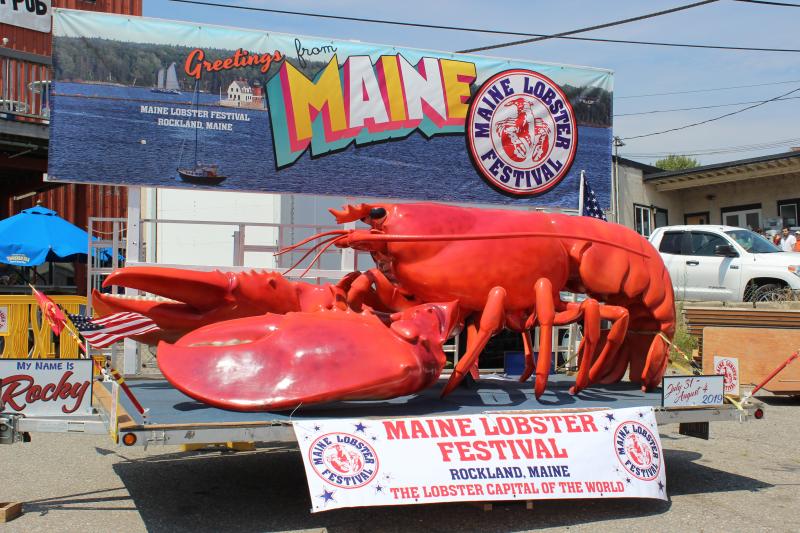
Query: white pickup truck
(725,263)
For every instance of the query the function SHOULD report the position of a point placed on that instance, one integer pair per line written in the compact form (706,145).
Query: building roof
(786,163)
(239,83)
(646,169)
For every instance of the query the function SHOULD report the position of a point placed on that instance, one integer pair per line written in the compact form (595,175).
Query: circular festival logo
(343,460)
(727,369)
(521,132)
(638,450)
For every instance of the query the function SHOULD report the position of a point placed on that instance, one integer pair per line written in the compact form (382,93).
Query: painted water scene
(246,110)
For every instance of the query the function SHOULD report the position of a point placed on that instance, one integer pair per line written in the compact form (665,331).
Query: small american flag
(103,332)
(590,206)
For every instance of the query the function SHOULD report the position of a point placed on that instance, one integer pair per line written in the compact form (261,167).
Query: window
(788,211)
(743,216)
(705,243)
(641,219)
(671,243)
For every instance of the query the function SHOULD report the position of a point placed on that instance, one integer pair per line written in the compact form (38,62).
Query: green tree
(676,162)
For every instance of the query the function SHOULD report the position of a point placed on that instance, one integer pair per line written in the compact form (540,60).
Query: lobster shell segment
(275,362)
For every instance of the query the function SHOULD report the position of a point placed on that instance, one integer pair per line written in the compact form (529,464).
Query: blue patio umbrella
(37,235)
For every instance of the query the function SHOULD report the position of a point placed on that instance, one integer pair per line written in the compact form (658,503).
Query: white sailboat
(200,173)
(167,81)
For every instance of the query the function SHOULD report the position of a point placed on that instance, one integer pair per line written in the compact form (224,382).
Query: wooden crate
(9,511)
(759,350)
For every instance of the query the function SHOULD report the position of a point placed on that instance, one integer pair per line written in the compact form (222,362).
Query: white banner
(509,456)
(46,387)
(31,14)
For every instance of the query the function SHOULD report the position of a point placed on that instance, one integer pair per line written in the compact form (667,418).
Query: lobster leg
(610,352)
(491,320)
(527,343)
(546,314)
(591,336)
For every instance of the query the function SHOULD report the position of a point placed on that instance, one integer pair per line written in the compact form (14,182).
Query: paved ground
(747,477)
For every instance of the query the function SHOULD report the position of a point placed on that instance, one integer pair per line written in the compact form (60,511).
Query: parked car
(725,263)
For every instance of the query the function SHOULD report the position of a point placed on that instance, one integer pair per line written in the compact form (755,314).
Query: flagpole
(115,375)
(580,195)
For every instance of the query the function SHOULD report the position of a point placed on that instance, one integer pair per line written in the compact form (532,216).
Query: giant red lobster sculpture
(498,268)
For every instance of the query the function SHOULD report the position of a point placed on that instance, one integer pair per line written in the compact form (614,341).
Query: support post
(133,250)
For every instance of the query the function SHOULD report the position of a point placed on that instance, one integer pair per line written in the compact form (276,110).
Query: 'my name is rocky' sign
(46,387)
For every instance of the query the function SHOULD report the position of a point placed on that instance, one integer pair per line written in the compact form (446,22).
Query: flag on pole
(590,206)
(103,332)
(51,312)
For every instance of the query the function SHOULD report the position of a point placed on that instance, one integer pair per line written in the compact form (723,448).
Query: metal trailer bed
(175,419)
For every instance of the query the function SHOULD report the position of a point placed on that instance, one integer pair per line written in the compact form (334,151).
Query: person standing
(797,241)
(787,240)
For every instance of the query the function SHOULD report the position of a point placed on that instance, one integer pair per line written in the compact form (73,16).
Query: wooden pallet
(772,315)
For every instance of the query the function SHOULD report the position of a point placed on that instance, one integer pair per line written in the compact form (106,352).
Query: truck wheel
(765,293)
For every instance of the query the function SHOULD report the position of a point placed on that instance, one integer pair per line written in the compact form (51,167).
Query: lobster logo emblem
(343,460)
(521,132)
(638,450)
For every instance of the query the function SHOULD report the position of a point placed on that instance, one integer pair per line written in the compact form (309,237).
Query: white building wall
(207,244)
(764,191)
(632,190)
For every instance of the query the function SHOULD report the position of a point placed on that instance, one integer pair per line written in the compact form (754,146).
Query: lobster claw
(188,299)
(275,362)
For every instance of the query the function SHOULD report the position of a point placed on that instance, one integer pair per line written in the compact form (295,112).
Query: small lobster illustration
(523,136)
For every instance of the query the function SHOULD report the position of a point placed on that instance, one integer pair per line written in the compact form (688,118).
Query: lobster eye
(377,213)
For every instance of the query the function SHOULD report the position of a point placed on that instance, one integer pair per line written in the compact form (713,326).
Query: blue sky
(638,69)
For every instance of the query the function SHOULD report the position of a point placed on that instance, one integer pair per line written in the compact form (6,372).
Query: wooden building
(25,74)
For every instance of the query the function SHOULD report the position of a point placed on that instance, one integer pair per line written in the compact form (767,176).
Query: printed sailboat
(167,81)
(200,173)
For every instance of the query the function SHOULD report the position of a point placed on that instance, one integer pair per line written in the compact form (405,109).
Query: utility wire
(781,4)
(702,107)
(592,28)
(708,90)
(488,31)
(720,150)
(712,119)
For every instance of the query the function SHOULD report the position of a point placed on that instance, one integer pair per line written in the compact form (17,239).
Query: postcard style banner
(520,456)
(46,387)
(140,101)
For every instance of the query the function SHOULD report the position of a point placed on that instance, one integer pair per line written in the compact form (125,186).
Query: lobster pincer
(275,362)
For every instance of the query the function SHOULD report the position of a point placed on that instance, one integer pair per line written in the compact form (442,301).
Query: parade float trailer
(371,121)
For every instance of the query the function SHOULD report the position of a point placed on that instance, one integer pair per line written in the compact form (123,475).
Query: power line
(708,90)
(720,150)
(781,4)
(712,119)
(488,31)
(702,107)
(592,28)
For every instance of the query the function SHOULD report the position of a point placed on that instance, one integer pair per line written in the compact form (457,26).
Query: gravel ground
(746,478)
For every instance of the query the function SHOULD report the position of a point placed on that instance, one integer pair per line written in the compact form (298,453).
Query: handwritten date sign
(692,391)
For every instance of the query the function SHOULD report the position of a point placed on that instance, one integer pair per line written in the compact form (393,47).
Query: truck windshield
(752,242)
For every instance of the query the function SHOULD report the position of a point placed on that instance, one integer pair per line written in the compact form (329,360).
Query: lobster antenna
(322,251)
(382,237)
(304,241)
(311,250)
